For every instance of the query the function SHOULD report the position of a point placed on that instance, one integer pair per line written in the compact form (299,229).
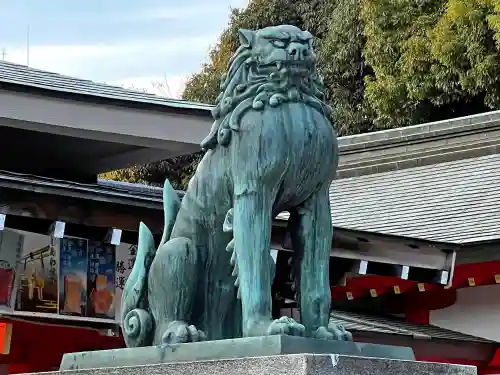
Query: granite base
(293,364)
(228,349)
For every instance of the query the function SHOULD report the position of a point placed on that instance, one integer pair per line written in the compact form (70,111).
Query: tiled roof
(21,75)
(355,322)
(454,202)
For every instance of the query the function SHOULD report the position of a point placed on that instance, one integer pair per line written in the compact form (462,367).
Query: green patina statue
(271,149)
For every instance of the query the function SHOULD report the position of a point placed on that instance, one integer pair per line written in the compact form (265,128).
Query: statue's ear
(246,37)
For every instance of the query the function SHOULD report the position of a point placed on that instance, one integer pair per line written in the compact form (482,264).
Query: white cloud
(71,59)
(154,66)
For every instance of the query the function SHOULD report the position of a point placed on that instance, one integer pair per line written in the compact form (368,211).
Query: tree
(432,59)
(385,63)
(204,86)
(337,28)
(335,23)
(342,65)
(178,170)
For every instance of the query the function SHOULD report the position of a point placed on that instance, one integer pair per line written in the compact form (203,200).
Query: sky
(131,43)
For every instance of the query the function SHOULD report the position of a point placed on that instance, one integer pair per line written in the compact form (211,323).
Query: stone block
(228,349)
(292,364)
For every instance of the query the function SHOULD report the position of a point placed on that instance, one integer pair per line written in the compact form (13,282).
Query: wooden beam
(77,211)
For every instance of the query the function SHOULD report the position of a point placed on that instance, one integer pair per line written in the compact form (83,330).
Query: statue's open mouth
(291,65)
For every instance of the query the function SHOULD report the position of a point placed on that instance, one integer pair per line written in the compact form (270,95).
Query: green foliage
(432,59)
(341,63)
(385,63)
(179,170)
(397,49)
(336,25)
(204,86)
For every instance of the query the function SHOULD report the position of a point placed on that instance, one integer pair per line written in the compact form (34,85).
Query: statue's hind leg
(252,236)
(312,232)
(173,283)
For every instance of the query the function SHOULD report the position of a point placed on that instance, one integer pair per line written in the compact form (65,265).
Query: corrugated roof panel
(455,202)
(389,325)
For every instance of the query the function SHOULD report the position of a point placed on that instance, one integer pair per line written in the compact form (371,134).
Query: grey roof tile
(456,202)
(451,201)
(29,77)
(389,325)
(25,76)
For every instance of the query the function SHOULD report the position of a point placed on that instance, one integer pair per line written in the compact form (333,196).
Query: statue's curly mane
(247,86)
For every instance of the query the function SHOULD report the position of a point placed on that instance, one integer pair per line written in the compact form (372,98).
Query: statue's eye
(279,43)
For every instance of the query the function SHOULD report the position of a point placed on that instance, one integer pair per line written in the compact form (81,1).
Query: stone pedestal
(292,364)
(228,349)
(274,355)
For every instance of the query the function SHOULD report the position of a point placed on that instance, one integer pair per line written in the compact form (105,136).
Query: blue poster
(101,280)
(73,276)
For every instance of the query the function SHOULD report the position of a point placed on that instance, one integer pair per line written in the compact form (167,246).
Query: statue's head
(272,66)
(280,47)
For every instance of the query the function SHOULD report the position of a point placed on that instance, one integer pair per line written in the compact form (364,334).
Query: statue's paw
(180,332)
(332,332)
(286,326)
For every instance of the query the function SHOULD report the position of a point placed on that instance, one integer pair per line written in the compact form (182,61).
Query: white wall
(476,312)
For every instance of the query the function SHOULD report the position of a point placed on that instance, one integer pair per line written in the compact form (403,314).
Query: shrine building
(415,213)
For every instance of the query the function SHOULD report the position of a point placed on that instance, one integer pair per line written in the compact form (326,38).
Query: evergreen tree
(385,63)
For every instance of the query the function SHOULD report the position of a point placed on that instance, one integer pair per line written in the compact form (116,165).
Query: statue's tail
(137,322)
(171,206)
(136,318)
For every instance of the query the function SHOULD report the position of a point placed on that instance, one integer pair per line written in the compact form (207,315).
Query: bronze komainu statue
(271,149)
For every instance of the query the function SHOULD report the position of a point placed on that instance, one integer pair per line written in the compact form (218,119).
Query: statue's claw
(333,332)
(286,326)
(180,332)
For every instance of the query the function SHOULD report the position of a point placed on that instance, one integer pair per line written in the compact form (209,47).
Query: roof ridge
(419,133)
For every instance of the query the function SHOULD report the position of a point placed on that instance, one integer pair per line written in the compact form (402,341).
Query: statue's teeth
(230,246)
(233,258)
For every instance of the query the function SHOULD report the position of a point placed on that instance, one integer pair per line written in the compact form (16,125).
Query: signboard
(68,276)
(10,252)
(101,280)
(125,259)
(37,274)
(73,265)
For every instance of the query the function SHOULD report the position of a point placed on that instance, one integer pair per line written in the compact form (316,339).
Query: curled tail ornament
(137,321)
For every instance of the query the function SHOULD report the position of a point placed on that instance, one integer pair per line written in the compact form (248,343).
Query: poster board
(37,274)
(87,278)
(72,277)
(101,280)
(73,266)
(11,244)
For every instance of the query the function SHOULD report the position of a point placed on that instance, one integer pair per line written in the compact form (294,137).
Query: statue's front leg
(173,283)
(312,232)
(252,239)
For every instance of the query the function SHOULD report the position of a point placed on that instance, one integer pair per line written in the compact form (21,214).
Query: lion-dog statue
(271,149)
